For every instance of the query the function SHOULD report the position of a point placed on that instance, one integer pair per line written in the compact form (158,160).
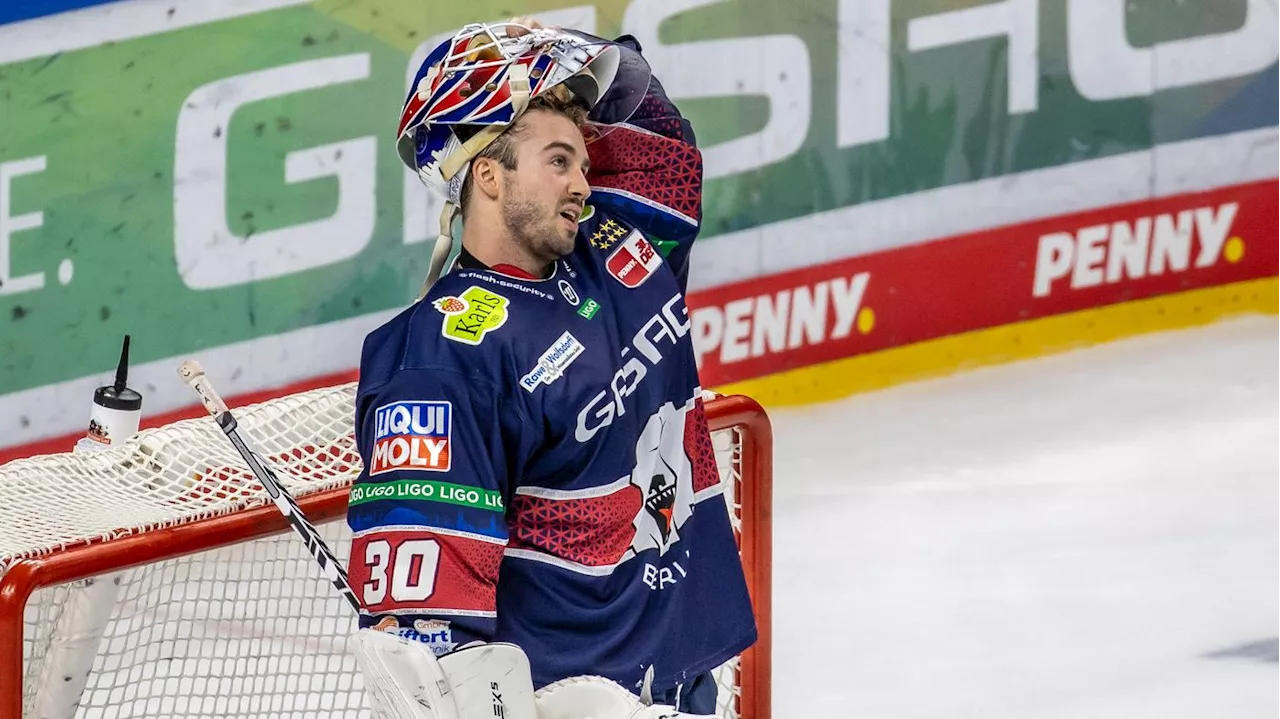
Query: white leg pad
(590,697)
(404,679)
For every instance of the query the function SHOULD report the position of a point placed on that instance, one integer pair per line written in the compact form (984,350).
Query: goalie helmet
(477,83)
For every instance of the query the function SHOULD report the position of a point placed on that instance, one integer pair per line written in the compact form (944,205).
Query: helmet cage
(483,79)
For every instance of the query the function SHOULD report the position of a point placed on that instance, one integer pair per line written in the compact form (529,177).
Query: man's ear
(485,175)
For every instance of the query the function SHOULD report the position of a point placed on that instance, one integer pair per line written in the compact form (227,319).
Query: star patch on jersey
(634,260)
(607,235)
(473,315)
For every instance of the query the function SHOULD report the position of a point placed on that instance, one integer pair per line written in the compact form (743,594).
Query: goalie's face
(543,197)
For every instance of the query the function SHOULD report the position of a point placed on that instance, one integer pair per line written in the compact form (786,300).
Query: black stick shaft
(329,564)
(193,374)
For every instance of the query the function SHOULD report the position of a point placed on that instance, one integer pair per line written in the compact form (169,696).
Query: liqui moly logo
(633,261)
(411,436)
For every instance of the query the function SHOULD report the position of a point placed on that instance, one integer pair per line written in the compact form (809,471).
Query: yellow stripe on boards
(1008,343)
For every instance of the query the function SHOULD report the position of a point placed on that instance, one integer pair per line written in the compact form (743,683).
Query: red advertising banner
(989,278)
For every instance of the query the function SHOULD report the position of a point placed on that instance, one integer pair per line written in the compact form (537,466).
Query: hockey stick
(193,374)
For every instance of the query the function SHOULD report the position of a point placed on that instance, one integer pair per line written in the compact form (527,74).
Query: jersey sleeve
(647,169)
(428,511)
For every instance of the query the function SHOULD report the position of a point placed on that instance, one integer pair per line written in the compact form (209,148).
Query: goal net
(155,579)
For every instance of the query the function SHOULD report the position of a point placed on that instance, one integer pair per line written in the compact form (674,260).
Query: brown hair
(503,148)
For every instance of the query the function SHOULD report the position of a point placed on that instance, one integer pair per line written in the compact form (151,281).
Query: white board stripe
(117,21)
(237,368)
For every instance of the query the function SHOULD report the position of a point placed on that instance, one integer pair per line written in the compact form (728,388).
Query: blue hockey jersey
(538,468)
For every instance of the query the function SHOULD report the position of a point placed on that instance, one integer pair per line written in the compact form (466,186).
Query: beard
(536,228)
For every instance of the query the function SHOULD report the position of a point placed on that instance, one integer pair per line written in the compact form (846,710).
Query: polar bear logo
(664,476)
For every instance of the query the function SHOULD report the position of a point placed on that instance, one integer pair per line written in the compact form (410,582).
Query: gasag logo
(633,262)
(659,335)
(412,436)
(553,362)
(469,317)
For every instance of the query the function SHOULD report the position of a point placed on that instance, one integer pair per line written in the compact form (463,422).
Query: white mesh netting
(245,630)
(175,474)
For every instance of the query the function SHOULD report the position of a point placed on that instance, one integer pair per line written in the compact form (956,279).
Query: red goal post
(211,507)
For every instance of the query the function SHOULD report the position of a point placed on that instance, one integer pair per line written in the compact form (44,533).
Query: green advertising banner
(221,178)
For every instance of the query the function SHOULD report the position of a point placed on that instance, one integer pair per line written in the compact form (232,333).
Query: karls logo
(661,333)
(468,318)
(412,436)
(1147,247)
(633,261)
(784,320)
(553,362)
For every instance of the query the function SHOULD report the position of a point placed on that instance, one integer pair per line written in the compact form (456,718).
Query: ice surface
(1092,534)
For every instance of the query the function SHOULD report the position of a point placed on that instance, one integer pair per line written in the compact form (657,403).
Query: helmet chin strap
(518,81)
(440,252)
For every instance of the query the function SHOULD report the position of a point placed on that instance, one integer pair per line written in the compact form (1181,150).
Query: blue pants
(696,696)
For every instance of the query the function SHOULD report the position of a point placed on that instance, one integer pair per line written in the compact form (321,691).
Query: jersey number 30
(412,567)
